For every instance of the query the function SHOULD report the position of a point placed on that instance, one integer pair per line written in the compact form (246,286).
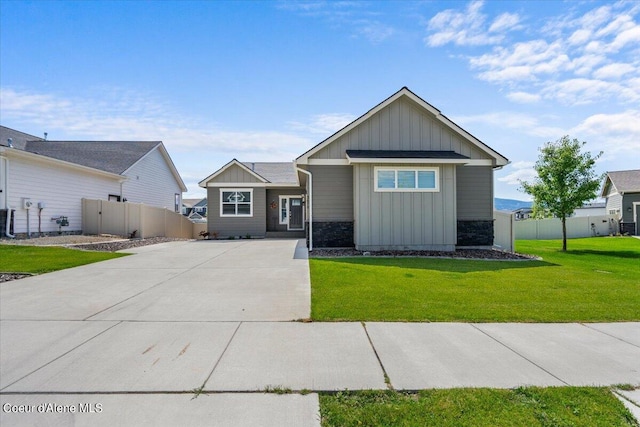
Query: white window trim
(244,190)
(406,190)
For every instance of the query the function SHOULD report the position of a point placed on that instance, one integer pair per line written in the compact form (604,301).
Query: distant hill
(509,204)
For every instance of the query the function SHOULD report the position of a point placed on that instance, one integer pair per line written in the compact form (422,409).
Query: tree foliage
(566,179)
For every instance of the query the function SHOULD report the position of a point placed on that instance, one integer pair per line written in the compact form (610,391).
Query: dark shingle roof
(109,156)
(19,139)
(626,181)
(403,154)
(275,172)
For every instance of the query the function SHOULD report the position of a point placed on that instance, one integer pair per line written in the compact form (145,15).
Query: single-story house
(622,192)
(591,209)
(43,180)
(198,206)
(401,176)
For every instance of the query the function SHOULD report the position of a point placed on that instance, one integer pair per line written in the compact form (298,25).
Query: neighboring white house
(43,180)
(591,209)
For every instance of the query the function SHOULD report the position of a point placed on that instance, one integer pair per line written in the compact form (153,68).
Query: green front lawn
(527,407)
(39,259)
(595,281)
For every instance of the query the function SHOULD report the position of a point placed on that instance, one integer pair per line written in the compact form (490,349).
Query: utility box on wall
(26,203)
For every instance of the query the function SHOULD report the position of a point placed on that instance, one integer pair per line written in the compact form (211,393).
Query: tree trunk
(564,234)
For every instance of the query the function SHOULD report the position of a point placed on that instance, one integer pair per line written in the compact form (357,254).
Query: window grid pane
(406,179)
(386,179)
(426,179)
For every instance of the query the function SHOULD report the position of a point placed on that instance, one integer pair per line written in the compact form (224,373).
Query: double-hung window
(236,202)
(406,179)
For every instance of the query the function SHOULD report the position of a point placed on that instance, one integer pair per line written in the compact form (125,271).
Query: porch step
(285,235)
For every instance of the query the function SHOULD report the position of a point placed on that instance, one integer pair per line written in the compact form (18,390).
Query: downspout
(306,172)
(11,236)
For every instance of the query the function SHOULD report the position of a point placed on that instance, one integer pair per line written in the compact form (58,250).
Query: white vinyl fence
(122,219)
(503,230)
(551,228)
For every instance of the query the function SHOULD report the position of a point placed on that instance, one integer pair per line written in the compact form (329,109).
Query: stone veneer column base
(337,234)
(475,233)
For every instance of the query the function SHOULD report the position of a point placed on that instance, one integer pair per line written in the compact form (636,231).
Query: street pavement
(196,333)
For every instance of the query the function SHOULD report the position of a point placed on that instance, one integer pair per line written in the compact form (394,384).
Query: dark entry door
(295,214)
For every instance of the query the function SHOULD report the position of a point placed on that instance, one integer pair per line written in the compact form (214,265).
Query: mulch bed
(483,254)
(120,245)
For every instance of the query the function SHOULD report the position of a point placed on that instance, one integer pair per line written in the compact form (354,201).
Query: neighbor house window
(236,202)
(406,179)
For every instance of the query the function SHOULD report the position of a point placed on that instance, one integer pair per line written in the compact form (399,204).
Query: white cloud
(617,134)
(574,58)
(523,97)
(465,28)
(506,21)
(140,117)
(323,124)
(525,123)
(616,70)
(374,31)
(520,171)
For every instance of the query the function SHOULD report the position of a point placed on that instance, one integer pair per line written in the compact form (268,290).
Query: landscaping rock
(486,254)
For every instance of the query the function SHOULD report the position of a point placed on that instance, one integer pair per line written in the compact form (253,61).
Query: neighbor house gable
(621,182)
(402,122)
(167,159)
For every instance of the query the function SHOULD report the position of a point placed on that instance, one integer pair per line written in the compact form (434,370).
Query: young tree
(566,179)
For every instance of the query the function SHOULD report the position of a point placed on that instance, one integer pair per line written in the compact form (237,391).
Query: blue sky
(265,81)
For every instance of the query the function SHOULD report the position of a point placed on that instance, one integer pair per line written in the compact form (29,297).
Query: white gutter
(306,172)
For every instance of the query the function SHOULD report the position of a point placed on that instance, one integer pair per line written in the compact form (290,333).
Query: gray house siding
(255,226)
(474,192)
(475,205)
(332,193)
(404,220)
(273,215)
(403,125)
(236,174)
(332,206)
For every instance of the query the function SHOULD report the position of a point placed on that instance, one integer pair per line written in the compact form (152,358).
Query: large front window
(406,179)
(236,202)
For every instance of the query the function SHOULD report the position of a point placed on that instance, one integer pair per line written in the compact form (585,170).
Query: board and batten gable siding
(151,182)
(404,220)
(402,125)
(332,193)
(474,192)
(235,174)
(255,226)
(61,189)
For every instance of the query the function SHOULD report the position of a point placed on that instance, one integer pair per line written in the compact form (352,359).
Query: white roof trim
(20,154)
(205,182)
(413,161)
(500,160)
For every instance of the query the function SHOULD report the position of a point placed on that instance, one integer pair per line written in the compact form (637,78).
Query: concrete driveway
(245,280)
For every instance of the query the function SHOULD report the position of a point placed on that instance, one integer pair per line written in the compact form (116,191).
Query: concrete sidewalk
(132,341)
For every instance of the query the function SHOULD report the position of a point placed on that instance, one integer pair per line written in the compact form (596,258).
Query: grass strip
(526,406)
(39,259)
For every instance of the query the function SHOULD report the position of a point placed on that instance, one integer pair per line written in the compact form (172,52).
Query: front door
(296,217)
